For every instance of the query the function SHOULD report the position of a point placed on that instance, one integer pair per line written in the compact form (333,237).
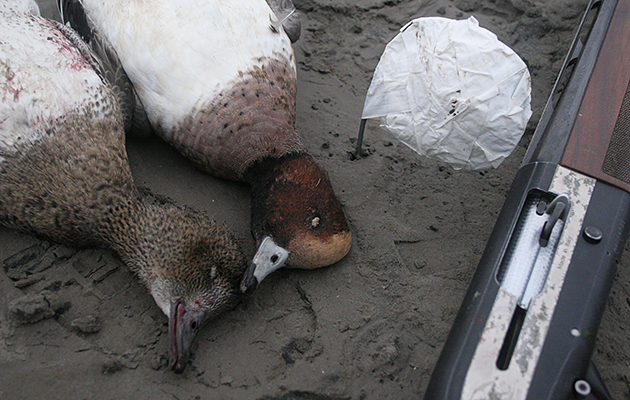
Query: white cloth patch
(451,91)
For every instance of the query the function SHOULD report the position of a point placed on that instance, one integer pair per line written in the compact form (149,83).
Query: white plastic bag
(452,91)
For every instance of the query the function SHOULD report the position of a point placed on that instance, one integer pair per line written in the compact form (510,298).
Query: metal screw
(593,235)
(582,387)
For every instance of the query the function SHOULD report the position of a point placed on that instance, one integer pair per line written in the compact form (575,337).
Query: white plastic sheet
(452,91)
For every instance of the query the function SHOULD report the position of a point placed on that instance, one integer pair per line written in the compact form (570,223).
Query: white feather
(42,76)
(22,6)
(181,53)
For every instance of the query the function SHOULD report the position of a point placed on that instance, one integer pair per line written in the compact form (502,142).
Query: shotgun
(527,326)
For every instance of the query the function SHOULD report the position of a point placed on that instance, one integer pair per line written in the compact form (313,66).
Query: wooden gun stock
(599,144)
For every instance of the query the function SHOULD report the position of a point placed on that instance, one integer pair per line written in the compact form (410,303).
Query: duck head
(193,273)
(188,311)
(296,219)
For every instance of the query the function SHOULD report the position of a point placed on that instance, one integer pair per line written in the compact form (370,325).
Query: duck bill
(267,259)
(183,326)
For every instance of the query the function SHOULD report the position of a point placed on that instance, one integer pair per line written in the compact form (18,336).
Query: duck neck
(131,229)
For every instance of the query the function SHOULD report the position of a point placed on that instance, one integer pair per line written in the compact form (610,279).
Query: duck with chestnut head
(217,80)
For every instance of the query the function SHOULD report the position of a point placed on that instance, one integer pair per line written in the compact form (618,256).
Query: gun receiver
(526,328)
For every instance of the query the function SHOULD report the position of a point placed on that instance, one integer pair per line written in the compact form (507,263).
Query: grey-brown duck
(64,174)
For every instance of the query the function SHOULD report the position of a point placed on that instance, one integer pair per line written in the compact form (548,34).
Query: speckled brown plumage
(75,187)
(254,119)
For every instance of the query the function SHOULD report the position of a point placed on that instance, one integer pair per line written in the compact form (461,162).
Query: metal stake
(358,152)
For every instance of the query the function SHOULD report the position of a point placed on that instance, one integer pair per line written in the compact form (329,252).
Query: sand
(369,327)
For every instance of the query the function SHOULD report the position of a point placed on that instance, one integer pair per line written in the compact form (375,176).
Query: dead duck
(64,175)
(217,80)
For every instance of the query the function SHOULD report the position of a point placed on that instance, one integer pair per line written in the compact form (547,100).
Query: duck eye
(274,258)
(194,325)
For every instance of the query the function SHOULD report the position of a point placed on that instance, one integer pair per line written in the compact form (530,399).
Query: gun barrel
(558,117)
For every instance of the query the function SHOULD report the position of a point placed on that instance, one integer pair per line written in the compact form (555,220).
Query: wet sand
(370,326)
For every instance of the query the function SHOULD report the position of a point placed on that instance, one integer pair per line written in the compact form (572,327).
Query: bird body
(217,80)
(64,174)
(183,83)
(42,104)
